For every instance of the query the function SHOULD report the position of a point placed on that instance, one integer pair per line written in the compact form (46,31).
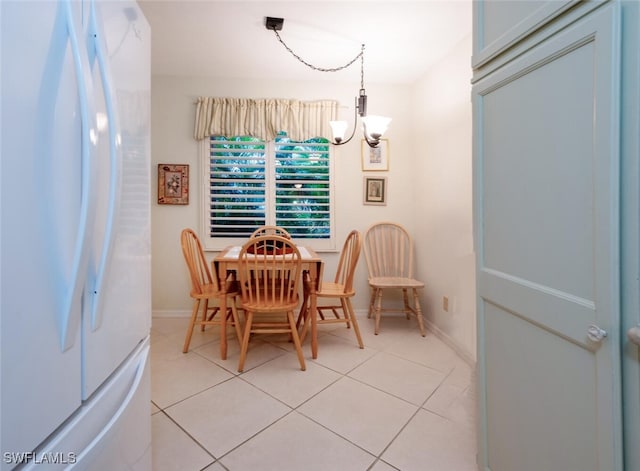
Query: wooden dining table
(226,262)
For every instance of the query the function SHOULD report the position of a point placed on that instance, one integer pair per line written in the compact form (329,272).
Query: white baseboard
(435,330)
(462,352)
(171,313)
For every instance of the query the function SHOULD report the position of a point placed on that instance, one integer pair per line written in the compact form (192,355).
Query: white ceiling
(218,38)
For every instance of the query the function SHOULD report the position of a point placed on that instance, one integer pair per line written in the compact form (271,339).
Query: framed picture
(375,190)
(173,184)
(375,159)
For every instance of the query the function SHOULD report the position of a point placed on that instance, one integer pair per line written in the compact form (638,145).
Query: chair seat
(264,307)
(329,289)
(210,290)
(394,282)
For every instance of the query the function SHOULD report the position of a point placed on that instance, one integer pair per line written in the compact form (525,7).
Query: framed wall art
(375,190)
(375,159)
(173,184)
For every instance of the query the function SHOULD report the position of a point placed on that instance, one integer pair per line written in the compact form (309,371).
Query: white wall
(443,195)
(429,181)
(173,112)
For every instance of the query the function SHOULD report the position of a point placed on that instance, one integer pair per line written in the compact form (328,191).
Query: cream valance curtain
(264,118)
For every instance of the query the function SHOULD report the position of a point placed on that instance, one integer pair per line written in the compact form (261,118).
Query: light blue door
(546,189)
(630,231)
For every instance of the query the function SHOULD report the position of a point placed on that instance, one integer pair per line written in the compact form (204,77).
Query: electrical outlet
(445,303)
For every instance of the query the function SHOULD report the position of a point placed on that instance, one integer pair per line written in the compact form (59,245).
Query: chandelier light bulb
(376,126)
(339,129)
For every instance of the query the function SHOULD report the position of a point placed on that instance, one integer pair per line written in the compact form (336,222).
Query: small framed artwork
(375,159)
(173,184)
(375,190)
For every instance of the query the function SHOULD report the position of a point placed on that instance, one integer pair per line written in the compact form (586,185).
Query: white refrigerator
(75,251)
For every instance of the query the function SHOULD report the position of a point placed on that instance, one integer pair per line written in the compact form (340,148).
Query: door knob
(634,334)
(595,333)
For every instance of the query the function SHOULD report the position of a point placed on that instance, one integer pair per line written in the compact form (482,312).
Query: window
(250,183)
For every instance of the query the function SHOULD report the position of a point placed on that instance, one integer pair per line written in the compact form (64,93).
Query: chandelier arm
(320,69)
(355,121)
(371,143)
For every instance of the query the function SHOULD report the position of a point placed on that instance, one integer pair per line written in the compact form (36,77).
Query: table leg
(222,286)
(313,304)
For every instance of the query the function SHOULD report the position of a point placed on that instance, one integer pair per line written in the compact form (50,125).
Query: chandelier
(373,127)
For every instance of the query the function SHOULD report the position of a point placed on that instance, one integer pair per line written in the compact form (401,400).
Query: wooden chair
(204,287)
(269,270)
(340,290)
(388,251)
(271,230)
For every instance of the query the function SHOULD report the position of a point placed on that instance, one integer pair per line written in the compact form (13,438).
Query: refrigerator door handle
(96,41)
(69,318)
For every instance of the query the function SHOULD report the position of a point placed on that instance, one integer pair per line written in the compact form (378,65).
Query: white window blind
(253,183)
(237,186)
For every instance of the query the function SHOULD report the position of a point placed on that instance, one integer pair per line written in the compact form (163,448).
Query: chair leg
(416,303)
(374,292)
(378,309)
(236,320)
(205,308)
(296,340)
(214,311)
(347,318)
(245,340)
(305,327)
(405,300)
(192,323)
(347,308)
(337,315)
(302,316)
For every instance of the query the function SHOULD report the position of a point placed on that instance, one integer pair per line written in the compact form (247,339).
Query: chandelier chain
(325,69)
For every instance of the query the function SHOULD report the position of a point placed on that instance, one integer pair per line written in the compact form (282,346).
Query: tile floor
(404,402)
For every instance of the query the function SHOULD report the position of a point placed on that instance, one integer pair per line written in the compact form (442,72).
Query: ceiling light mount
(372,126)
(274,23)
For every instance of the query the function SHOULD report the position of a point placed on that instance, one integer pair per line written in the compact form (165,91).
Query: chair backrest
(388,250)
(271,230)
(196,262)
(270,269)
(349,260)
